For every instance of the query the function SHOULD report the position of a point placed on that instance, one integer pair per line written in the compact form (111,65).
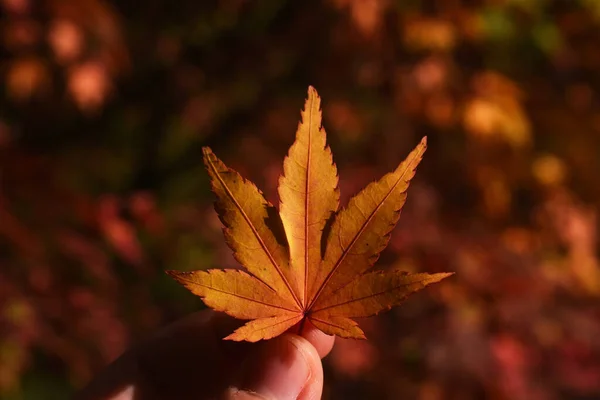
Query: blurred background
(105,106)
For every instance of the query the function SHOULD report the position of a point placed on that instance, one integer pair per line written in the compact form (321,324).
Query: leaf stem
(301,326)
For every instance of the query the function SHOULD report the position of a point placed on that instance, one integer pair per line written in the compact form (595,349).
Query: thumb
(286,368)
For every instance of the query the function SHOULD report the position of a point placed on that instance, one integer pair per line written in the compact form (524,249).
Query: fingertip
(320,341)
(313,388)
(306,349)
(287,367)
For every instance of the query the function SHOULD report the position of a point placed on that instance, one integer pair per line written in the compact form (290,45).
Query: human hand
(190,360)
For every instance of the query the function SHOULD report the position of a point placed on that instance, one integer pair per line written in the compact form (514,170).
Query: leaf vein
(236,295)
(358,299)
(358,234)
(254,231)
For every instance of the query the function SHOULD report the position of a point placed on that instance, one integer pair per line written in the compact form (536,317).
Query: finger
(190,358)
(313,389)
(322,342)
(186,357)
(286,368)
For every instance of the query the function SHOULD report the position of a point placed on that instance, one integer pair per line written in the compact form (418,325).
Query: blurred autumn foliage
(105,108)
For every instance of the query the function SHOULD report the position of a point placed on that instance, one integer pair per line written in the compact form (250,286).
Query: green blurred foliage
(105,109)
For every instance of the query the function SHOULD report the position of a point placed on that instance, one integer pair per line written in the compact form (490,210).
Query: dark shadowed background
(105,106)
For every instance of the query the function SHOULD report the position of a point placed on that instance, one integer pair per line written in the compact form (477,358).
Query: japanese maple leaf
(294,278)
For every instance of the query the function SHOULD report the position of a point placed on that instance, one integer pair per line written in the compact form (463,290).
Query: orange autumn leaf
(295,272)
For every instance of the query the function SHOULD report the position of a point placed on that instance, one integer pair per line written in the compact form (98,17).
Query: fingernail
(281,370)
